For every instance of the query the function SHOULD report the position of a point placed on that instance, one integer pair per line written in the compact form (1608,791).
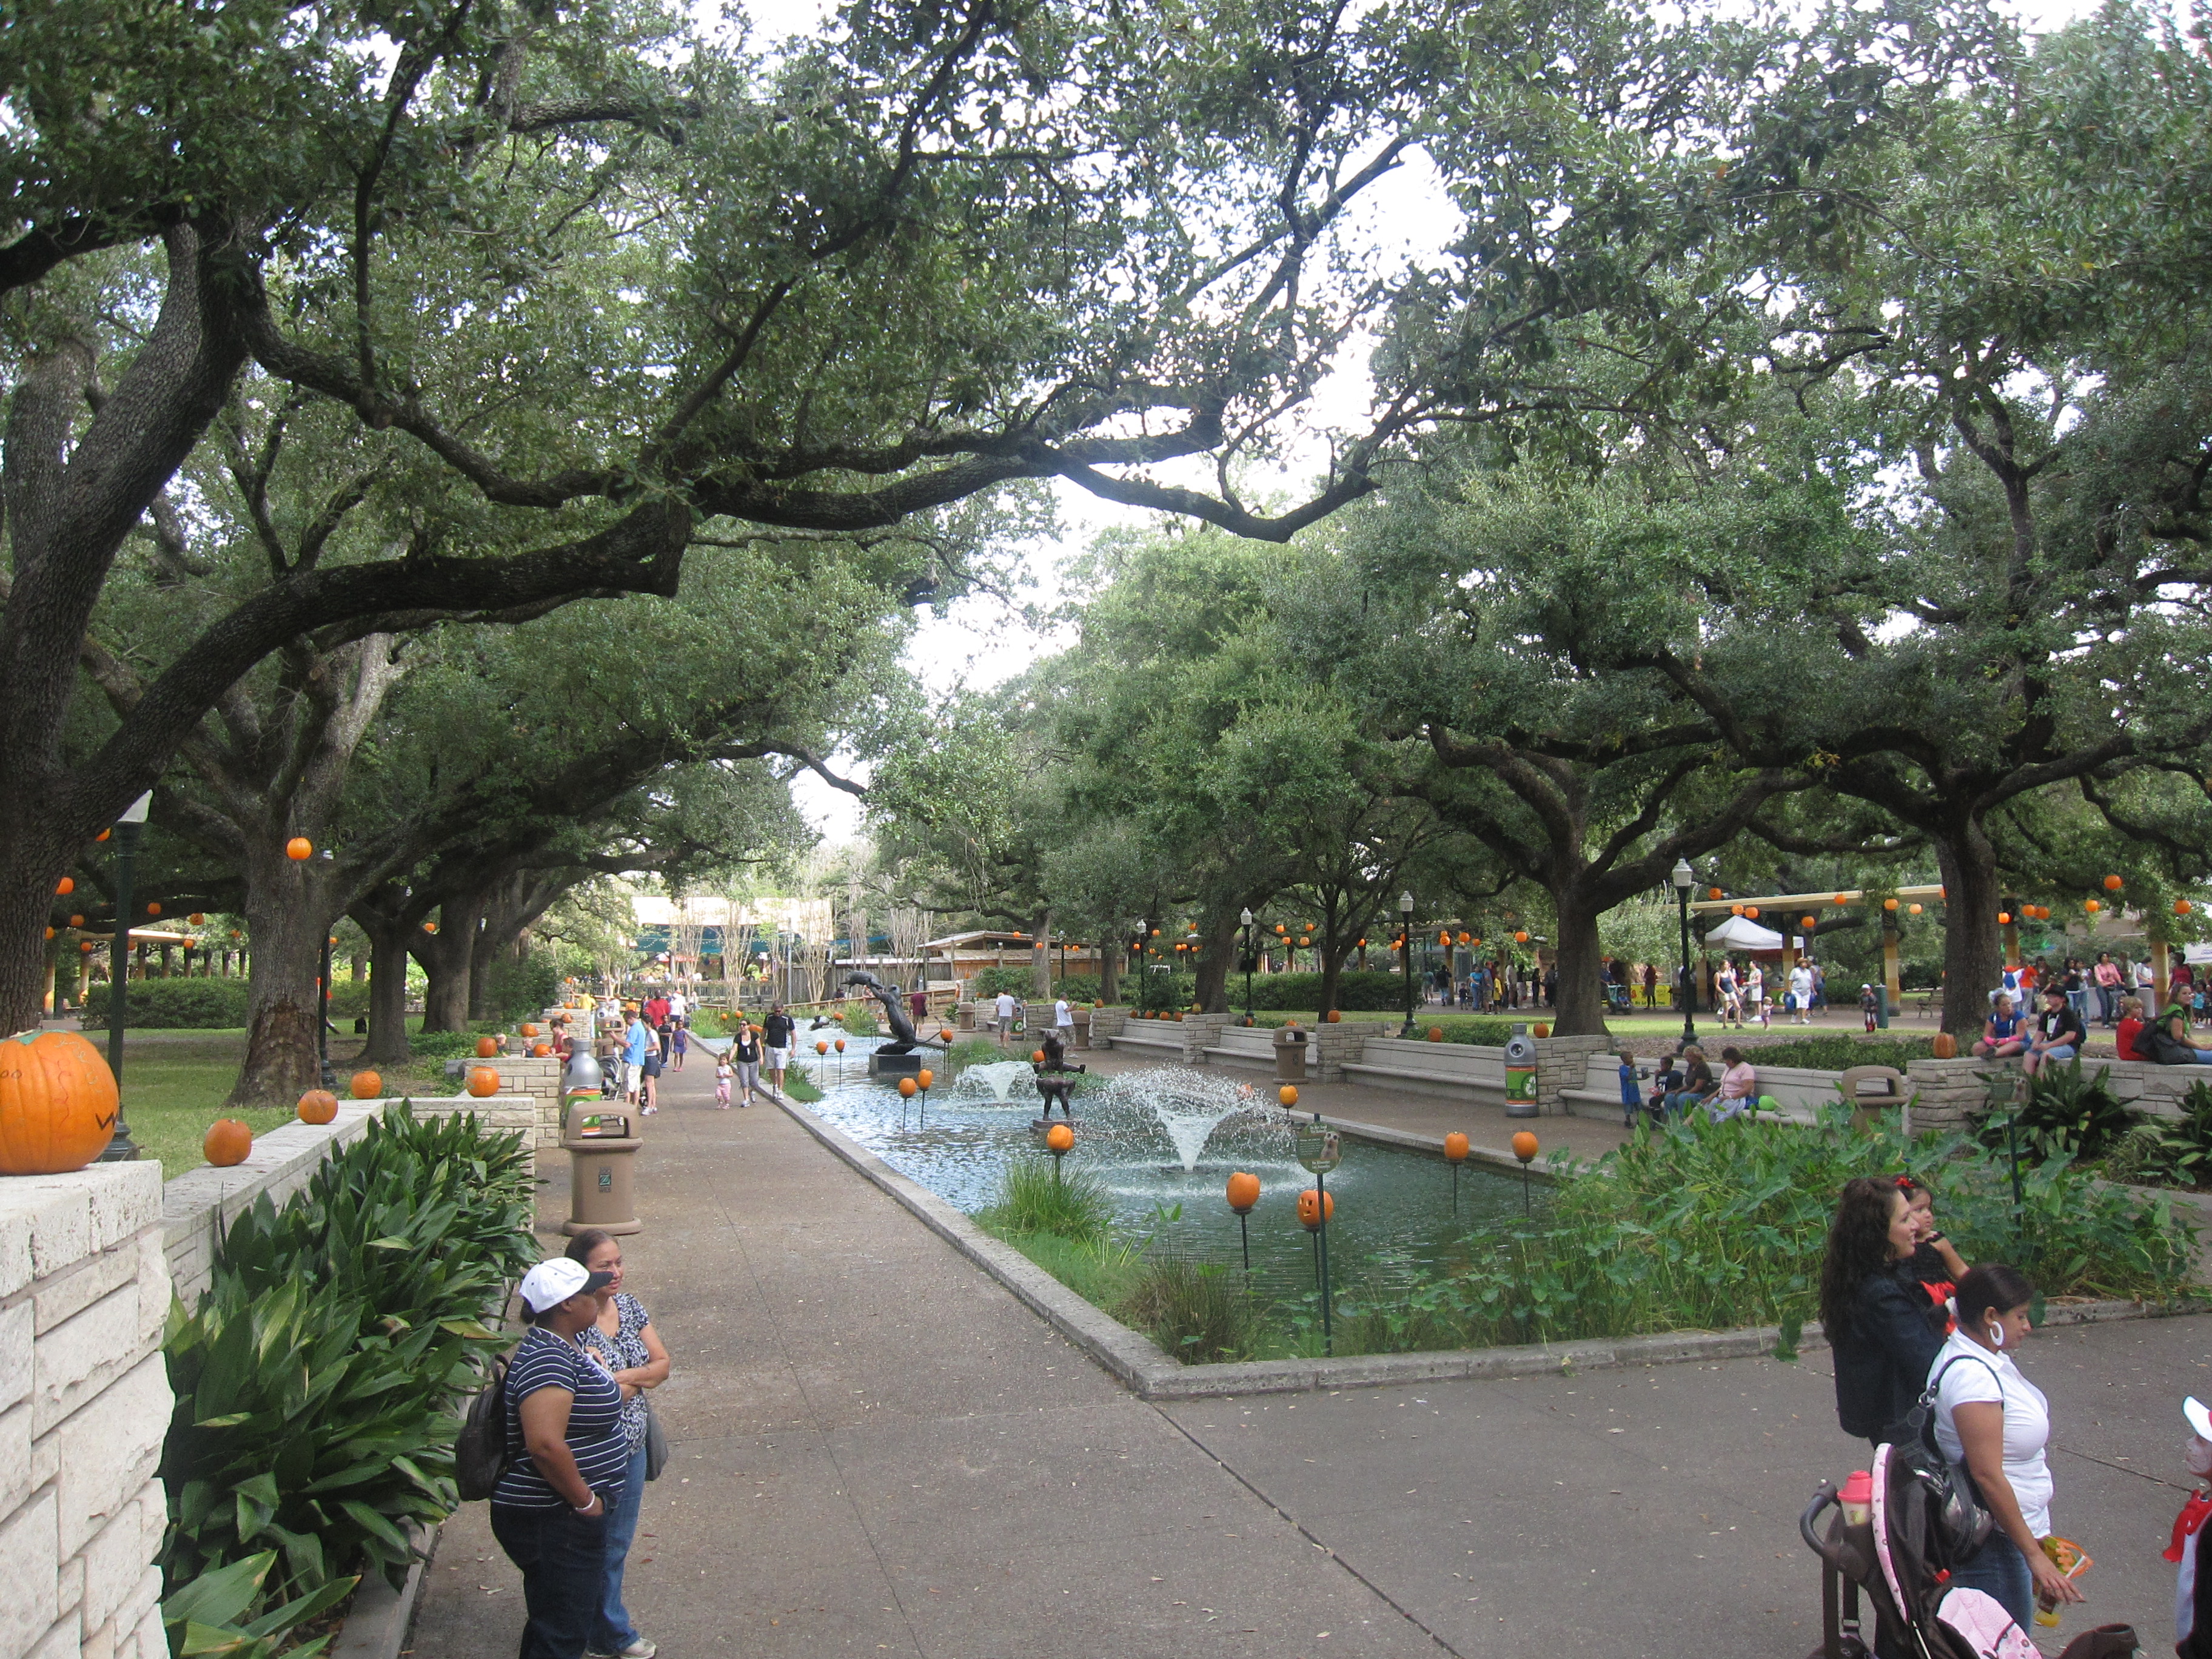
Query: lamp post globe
(1244,919)
(1684,877)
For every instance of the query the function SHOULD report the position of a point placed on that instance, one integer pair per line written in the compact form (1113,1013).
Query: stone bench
(1443,1071)
(1249,1046)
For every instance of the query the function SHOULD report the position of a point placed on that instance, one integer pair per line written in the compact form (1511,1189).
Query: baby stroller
(1893,1561)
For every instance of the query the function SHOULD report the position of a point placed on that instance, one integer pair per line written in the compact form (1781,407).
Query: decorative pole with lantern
(1319,1151)
(1251,950)
(1684,877)
(1406,956)
(128,829)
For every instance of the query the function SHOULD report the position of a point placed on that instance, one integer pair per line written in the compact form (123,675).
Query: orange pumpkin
(821,1048)
(1945,1047)
(530,1030)
(1036,1057)
(906,1088)
(1333,1016)
(228,1142)
(1456,1147)
(483,1080)
(1288,1094)
(540,1050)
(367,1085)
(1436,1033)
(1524,1145)
(839,1045)
(318,1106)
(58,1104)
(1542,1028)
(1059,1137)
(1315,1208)
(487,1047)
(925,1077)
(1244,1192)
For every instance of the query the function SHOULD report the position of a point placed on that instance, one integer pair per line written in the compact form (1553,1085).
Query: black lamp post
(1684,877)
(323,1005)
(1251,950)
(1406,955)
(128,829)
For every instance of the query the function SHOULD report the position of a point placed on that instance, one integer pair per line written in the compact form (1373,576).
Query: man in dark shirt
(776,1032)
(2059,1032)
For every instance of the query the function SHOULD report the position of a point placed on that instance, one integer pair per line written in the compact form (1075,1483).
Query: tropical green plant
(315,1383)
(2167,1152)
(2068,1114)
(210,1614)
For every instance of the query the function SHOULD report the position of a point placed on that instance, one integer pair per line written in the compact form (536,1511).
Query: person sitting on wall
(2001,1036)
(2059,1033)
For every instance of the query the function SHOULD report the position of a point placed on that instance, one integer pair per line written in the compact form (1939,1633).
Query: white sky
(979,643)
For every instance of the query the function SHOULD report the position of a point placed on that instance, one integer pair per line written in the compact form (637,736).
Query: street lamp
(327,1077)
(128,828)
(1406,955)
(1684,877)
(1250,949)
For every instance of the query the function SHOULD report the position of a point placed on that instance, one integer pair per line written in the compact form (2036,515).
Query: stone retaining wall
(84,1404)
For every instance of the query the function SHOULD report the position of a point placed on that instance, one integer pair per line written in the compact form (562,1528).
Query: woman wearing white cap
(569,1455)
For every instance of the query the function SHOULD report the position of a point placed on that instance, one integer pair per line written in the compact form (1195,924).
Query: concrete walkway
(877,1449)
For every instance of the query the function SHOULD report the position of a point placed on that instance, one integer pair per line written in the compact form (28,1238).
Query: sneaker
(641,1647)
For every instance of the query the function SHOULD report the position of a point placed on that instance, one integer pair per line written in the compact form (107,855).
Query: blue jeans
(1998,1569)
(562,1557)
(613,1630)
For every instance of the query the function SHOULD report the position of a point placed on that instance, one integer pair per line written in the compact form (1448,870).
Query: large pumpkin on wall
(318,1106)
(58,1104)
(483,1080)
(1945,1047)
(487,1047)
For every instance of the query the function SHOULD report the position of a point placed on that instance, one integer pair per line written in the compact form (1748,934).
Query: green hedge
(317,1383)
(1366,991)
(175,1004)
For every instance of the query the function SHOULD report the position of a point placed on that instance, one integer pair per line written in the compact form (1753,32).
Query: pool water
(1393,1224)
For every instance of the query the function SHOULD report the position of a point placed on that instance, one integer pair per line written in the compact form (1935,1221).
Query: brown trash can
(602,1143)
(1290,1055)
(1082,1017)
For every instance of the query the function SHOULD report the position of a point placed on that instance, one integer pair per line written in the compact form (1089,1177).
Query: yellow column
(1889,967)
(2160,962)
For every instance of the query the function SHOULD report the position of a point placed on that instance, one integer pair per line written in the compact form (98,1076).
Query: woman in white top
(1992,1419)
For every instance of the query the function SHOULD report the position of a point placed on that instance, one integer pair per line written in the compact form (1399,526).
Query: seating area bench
(1447,1071)
(1250,1046)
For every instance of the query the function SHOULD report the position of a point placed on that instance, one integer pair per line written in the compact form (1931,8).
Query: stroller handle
(1822,1499)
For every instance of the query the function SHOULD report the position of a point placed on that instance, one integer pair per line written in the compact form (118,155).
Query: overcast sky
(979,644)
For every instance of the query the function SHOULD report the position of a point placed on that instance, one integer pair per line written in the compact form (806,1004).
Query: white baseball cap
(552,1282)
(2199,1419)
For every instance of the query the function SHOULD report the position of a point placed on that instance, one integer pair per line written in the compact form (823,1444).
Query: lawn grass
(174,1088)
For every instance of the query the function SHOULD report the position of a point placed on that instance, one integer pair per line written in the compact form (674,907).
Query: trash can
(1881,1007)
(1521,1074)
(1290,1055)
(1082,1017)
(601,1146)
(967,1011)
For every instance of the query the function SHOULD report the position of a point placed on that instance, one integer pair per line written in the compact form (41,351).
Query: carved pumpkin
(228,1142)
(483,1080)
(1059,1137)
(1524,1145)
(58,1104)
(1244,1192)
(1315,1208)
(487,1047)
(318,1106)
(1945,1047)
(1456,1147)
(367,1085)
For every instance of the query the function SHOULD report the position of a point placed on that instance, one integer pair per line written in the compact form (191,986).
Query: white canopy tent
(1742,934)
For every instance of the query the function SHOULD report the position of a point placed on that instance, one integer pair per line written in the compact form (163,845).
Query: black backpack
(480,1456)
(1959,1522)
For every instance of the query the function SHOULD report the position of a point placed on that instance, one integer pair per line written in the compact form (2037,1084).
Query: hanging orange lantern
(2113,884)
(197,919)
(1520,938)
(1750,911)
(2181,907)
(1915,911)
(1714,892)
(1809,923)
(2004,919)
(298,849)
(2090,906)
(1890,904)
(66,887)
(77,921)
(1842,898)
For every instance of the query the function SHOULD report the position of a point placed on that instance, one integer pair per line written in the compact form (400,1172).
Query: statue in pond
(902,1055)
(1055,1078)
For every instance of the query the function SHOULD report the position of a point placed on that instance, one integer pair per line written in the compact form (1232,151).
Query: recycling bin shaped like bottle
(601,1145)
(1521,1074)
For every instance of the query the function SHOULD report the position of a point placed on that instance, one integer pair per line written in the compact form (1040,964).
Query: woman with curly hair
(1875,1316)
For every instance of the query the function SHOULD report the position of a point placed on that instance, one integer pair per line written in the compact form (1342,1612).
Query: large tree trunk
(388,991)
(1109,970)
(1041,956)
(1972,963)
(1217,934)
(1580,959)
(287,919)
(447,957)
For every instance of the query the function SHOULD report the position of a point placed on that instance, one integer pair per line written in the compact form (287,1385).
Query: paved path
(875,1450)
